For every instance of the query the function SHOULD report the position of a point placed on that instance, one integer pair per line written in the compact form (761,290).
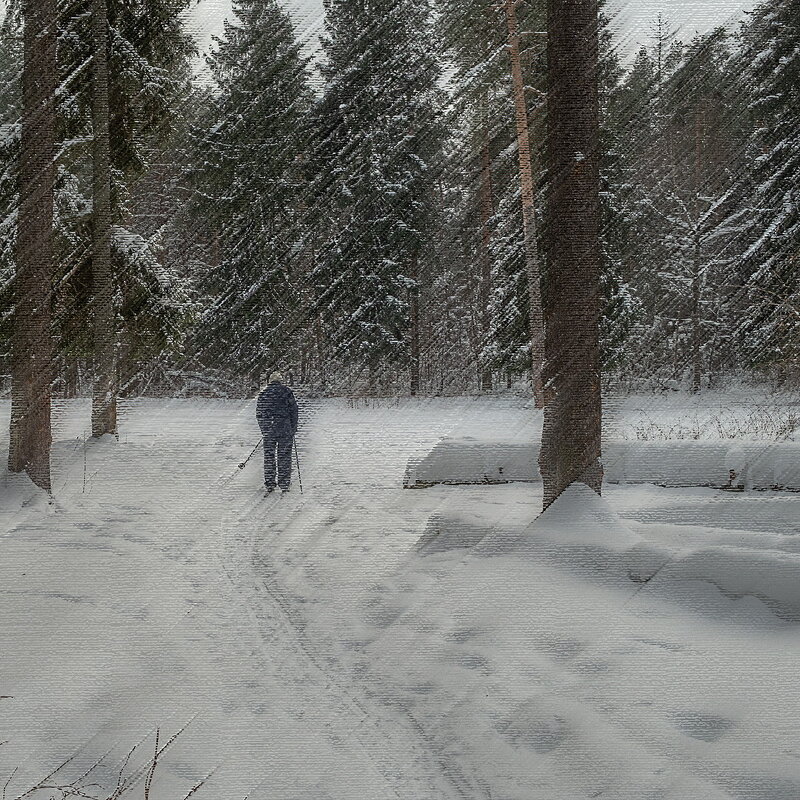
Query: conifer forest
(537,261)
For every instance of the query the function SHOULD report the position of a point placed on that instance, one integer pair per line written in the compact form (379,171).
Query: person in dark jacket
(276,412)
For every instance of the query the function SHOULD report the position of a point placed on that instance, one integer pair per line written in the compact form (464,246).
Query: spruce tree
(148,54)
(768,305)
(375,159)
(675,239)
(700,150)
(622,308)
(248,186)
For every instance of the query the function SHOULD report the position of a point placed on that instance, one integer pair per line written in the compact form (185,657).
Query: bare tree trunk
(104,398)
(487,212)
(528,193)
(697,364)
(572,424)
(320,347)
(71,377)
(697,361)
(415,331)
(32,344)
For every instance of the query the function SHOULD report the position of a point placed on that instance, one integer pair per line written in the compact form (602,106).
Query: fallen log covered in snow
(760,466)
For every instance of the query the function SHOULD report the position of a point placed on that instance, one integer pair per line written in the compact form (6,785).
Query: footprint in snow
(705,727)
(561,649)
(531,729)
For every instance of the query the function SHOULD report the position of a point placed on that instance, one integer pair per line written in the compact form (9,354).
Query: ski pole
(244,463)
(297,458)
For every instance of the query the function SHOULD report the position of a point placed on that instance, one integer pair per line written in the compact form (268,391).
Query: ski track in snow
(395,743)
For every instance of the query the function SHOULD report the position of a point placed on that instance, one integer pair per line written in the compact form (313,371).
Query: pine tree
(492,62)
(471,38)
(527,180)
(32,349)
(375,159)
(572,422)
(249,189)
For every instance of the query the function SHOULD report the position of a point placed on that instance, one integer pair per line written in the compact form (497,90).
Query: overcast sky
(632,18)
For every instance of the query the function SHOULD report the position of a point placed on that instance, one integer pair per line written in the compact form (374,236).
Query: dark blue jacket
(276,411)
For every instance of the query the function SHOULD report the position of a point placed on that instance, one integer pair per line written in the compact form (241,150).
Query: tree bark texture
(416,354)
(487,212)
(104,399)
(572,419)
(697,255)
(528,194)
(32,344)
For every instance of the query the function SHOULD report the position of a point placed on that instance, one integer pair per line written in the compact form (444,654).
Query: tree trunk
(32,344)
(487,212)
(71,378)
(104,398)
(697,361)
(572,422)
(320,347)
(697,364)
(528,193)
(415,331)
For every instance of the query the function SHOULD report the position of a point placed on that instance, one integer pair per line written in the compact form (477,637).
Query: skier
(276,413)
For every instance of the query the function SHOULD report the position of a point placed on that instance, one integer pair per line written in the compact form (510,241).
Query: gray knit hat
(276,377)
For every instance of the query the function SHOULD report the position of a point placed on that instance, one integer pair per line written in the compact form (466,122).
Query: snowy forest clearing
(361,641)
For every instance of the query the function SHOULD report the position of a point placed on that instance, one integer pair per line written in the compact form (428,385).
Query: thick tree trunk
(528,193)
(572,424)
(104,399)
(32,345)
(487,212)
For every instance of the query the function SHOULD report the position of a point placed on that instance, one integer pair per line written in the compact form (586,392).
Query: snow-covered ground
(361,641)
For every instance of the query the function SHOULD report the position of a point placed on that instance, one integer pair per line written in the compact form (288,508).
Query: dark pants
(277,449)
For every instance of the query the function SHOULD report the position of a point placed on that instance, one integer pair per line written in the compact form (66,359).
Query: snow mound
(772,578)
(453,531)
(581,532)
(21,497)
